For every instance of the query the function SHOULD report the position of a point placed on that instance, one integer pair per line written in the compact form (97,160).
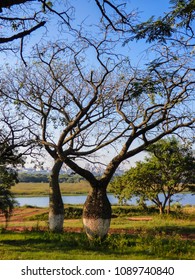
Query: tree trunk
(97,213)
(56,206)
(161,209)
(169,206)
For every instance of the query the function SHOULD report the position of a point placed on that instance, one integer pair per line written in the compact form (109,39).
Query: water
(43,201)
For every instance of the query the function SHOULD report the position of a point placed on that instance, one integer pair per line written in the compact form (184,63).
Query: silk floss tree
(50,99)
(116,108)
(86,103)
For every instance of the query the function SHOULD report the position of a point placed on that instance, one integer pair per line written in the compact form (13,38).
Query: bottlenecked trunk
(97,208)
(56,206)
(97,213)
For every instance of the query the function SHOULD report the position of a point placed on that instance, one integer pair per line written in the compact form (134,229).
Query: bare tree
(84,102)
(76,112)
(65,97)
(151,106)
(116,16)
(21,18)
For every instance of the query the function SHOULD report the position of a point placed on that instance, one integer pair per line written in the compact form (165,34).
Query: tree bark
(56,206)
(97,213)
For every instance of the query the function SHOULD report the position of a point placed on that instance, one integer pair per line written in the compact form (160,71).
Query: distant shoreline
(42,189)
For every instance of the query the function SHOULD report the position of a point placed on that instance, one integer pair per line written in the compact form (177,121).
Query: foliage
(9,159)
(168,171)
(8,177)
(12,135)
(177,21)
(34,178)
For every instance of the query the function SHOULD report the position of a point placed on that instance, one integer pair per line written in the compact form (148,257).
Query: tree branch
(22,34)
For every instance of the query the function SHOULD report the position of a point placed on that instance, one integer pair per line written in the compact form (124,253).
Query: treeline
(44,178)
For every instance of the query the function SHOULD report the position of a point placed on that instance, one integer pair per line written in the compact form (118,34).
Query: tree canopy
(167,171)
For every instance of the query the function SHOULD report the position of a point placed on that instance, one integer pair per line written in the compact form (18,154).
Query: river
(43,201)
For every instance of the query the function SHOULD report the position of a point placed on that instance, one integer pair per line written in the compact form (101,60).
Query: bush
(69,213)
(132,210)
(73,213)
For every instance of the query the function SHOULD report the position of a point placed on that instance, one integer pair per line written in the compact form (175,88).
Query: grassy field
(41,189)
(46,245)
(133,235)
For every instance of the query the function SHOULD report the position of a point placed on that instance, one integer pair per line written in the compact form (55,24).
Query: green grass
(47,246)
(161,237)
(41,189)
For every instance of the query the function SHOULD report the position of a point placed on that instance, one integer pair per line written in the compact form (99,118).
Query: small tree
(13,137)
(169,170)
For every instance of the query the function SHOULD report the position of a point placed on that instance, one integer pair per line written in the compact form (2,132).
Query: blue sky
(147,8)
(87,10)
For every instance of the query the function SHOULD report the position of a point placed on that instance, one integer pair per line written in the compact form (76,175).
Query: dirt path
(185,236)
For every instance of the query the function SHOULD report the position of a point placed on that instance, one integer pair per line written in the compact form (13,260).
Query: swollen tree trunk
(56,206)
(97,213)
(97,208)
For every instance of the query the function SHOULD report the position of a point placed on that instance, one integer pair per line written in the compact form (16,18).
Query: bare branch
(22,34)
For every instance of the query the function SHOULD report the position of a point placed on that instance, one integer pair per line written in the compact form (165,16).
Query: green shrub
(73,213)
(132,210)
(69,213)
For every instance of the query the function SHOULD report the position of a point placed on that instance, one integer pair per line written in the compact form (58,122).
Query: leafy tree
(8,178)
(169,170)
(12,137)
